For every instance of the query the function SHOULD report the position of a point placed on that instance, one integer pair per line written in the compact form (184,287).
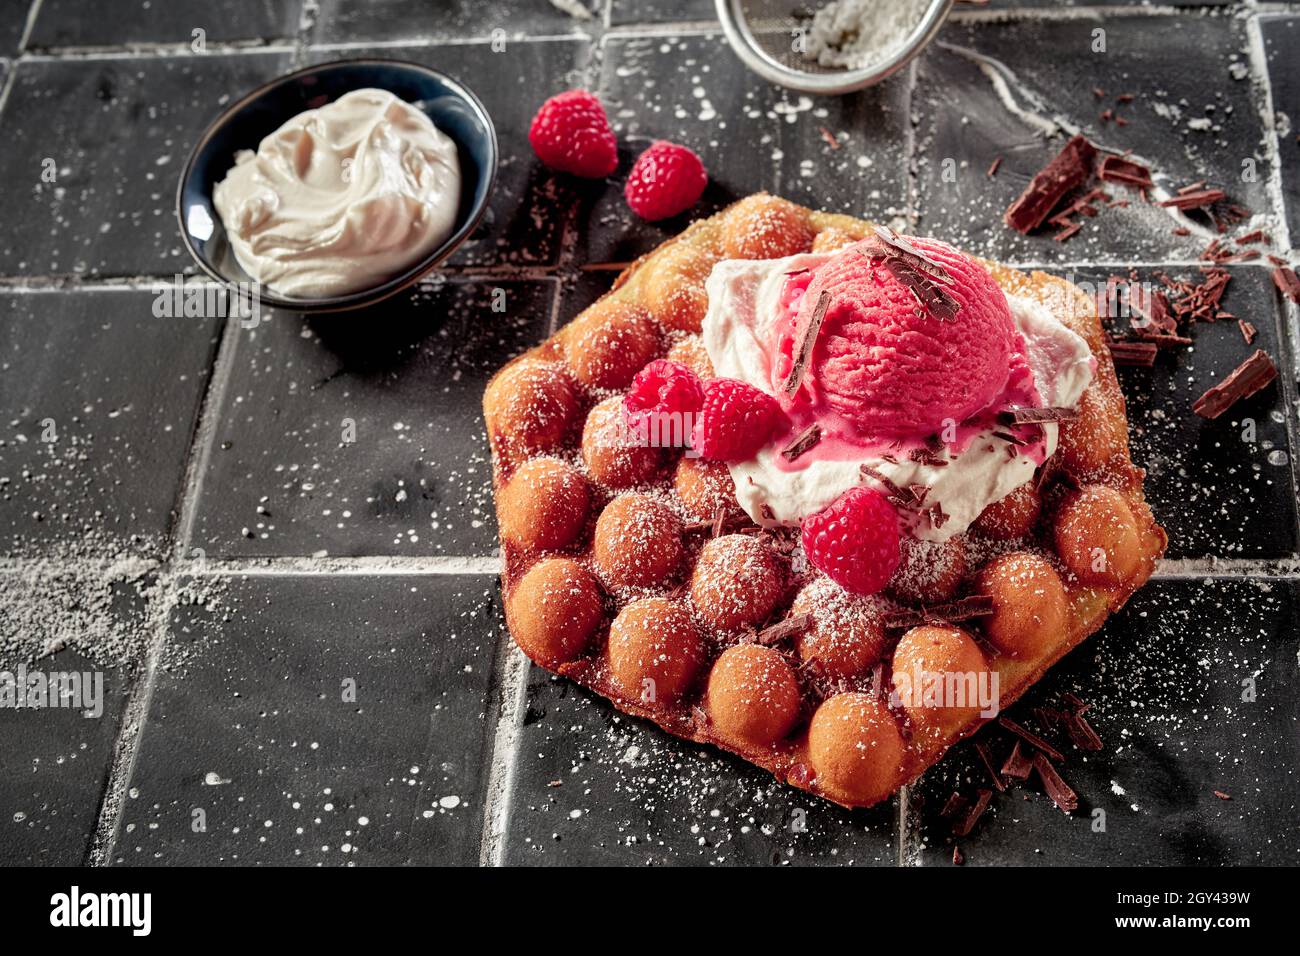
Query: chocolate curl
(803,356)
(1244,381)
(1069,170)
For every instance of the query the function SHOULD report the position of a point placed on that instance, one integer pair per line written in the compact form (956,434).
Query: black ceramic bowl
(452,107)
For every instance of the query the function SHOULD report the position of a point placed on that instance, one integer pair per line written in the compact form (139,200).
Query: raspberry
(855,540)
(663,388)
(571,133)
(665,180)
(735,420)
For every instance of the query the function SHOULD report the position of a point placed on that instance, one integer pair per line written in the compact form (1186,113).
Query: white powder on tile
(858,33)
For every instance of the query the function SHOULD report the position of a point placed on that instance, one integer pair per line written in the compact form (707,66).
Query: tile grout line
(466,274)
(126,747)
(509,695)
(503,761)
(1168,569)
(32,12)
(1257,53)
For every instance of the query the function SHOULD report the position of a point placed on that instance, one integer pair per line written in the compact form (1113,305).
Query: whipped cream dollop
(748,309)
(340,198)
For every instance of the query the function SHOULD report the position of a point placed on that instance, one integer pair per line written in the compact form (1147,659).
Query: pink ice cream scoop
(889,368)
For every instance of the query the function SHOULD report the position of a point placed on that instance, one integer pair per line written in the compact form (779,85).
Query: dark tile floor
(349,434)
(363,20)
(1192,118)
(93,148)
(64,23)
(99,415)
(1197,696)
(281,514)
(594,787)
(306,720)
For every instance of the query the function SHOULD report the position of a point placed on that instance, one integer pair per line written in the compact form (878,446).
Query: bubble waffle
(632,571)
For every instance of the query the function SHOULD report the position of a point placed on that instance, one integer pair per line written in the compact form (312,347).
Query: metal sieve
(766,35)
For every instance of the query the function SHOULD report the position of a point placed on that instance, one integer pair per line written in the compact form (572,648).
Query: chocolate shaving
(1133,353)
(804,354)
(1081,733)
(967,823)
(937,516)
(792,625)
(1075,704)
(993,167)
(1067,232)
(1222,796)
(1116,170)
(896,247)
(1037,416)
(1070,169)
(1285,279)
(977,605)
(928,295)
(872,472)
(806,440)
(956,804)
(1056,788)
(957,858)
(1151,306)
(719,521)
(1035,741)
(1017,766)
(986,757)
(1245,380)
(1198,199)
(1160,340)
(1010,438)
(909,497)
(930,453)
(1248,331)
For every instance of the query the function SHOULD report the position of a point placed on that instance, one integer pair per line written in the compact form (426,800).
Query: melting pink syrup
(839,441)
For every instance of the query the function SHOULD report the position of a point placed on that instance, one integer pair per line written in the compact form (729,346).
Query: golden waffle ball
(1012,517)
(930,571)
(1097,537)
(691,352)
(610,448)
(753,696)
(847,635)
(543,506)
(855,748)
(555,611)
(765,227)
(654,651)
(939,675)
(737,582)
(1099,435)
(610,342)
(833,240)
(638,542)
(529,406)
(1030,611)
(706,486)
(673,287)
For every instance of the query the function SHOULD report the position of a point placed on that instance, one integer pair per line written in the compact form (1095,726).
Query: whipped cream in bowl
(948,449)
(336,186)
(341,197)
